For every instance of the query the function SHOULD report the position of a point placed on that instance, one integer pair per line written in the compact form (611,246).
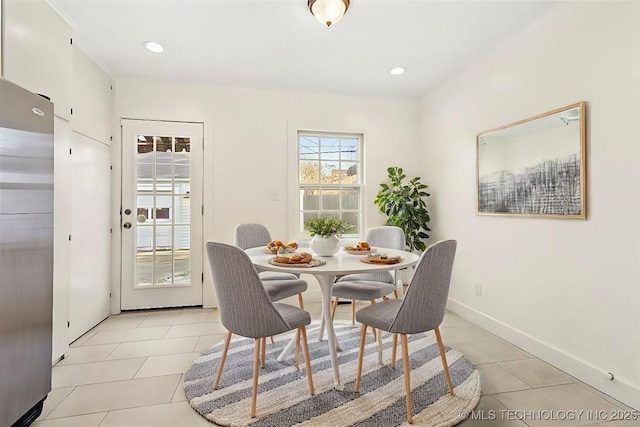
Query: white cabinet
(39,56)
(90,234)
(90,195)
(62,229)
(38,53)
(91,98)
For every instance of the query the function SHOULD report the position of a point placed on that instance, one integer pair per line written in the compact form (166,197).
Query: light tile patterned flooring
(127,371)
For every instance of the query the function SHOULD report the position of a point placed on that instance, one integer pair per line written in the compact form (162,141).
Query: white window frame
(297,213)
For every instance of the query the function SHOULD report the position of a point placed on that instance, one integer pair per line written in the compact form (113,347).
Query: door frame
(197,194)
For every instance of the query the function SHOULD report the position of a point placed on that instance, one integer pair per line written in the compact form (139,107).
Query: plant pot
(325,246)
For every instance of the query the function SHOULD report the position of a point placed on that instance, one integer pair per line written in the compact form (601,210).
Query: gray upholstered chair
(370,286)
(421,310)
(246,309)
(278,285)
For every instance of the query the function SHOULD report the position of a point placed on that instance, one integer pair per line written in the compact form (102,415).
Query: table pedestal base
(326,284)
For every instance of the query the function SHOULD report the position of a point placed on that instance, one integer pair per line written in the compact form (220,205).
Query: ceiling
(272,44)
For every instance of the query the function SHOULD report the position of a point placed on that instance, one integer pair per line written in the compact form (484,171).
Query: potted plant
(403,203)
(325,231)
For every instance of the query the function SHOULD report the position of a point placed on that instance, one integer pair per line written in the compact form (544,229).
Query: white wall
(565,290)
(246,133)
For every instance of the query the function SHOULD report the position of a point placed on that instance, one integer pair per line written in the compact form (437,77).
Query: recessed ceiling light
(397,71)
(154,47)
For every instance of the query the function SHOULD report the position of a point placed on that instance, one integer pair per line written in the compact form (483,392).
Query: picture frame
(534,167)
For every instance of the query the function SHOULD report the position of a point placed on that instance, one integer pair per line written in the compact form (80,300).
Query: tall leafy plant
(403,203)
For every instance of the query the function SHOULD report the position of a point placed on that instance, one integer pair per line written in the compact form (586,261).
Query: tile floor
(127,371)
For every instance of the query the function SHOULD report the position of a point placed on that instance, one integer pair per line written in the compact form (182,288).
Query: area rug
(283,393)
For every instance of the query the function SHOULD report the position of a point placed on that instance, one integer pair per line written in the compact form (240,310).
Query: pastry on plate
(276,246)
(360,247)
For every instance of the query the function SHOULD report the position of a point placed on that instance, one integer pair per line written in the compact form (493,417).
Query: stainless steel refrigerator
(26,253)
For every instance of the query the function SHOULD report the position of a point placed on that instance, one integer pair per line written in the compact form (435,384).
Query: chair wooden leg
(300,301)
(296,355)
(307,359)
(256,369)
(395,293)
(272,341)
(394,346)
(407,373)
(444,361)
(222,360)
(335,305)
(264,351)
(363,335)
(353,312)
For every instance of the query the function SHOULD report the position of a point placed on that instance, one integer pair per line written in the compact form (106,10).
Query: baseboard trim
(620,389)
(57,359)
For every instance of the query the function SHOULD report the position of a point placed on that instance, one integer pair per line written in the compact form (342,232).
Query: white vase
(325,246)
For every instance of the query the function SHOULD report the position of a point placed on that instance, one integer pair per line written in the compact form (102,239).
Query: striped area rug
(283,394)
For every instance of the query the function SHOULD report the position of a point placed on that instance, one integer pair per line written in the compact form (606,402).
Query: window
(330,178)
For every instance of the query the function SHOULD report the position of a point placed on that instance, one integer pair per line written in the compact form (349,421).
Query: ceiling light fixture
(154,47)
(328,11)
(397,71)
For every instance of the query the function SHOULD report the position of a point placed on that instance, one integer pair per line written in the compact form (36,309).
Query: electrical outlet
(479,290)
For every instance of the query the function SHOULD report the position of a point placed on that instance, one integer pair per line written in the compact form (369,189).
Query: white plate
(289,251)
(370,251)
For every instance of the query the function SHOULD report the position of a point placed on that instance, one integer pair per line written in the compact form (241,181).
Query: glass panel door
(163,210)
(159,230)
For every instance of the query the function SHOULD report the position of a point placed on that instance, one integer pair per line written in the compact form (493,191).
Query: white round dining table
(340,264)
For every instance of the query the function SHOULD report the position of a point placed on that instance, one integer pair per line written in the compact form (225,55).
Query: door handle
(127,225)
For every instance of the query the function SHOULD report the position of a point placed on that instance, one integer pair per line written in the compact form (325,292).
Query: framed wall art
(534,167)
